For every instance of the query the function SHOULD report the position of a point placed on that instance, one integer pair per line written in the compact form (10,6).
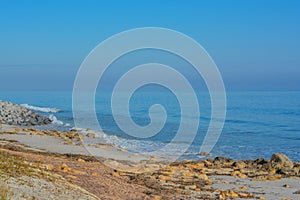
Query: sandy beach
(117,174)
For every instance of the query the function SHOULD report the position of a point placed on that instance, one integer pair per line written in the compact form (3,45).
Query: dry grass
(12,166)
(5,194)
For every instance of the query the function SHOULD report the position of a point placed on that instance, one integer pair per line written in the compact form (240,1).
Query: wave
(55,120)
(48,110)
(131,145)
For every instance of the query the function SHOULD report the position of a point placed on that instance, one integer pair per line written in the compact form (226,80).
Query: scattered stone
(72,176)
(48,166)
(64,168)
(80,160)
(286,186)
(243,188)
(297,192)
(229,194)
(74,171)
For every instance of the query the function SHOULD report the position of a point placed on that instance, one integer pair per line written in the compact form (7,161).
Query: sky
(254,43)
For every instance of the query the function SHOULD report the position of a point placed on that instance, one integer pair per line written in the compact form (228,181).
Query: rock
(197,166)
(243,188)
(286,186)
(71,176)
(244,195)
(64,167)
(74,171)
(297,192)
(222,160)
(239,165)
(80,160)
(229,194)
(280,161)
(288,171)
(116,174)
(204,154)
(267,178)
(156,197)
(261,161)
(91,135)
(164,178)
(48,166)
(190,187)
(13,114)
(203,177)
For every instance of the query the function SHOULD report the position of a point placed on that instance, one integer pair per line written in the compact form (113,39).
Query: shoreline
(219,178)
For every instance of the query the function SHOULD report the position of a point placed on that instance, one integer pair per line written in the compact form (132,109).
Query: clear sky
(254,43)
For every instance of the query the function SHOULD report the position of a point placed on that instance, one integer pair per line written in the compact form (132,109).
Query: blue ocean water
(258,123)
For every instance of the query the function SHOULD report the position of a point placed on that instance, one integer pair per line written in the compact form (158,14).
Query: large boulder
(280,161)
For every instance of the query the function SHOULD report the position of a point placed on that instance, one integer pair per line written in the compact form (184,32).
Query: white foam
(68,125)
(48,110)
(55,120)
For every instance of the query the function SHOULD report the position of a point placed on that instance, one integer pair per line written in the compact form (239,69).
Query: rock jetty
(13,114)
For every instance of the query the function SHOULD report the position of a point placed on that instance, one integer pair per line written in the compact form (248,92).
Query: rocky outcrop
(13,114)
(281,161)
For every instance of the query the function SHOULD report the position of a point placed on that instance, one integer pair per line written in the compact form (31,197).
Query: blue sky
(255,44)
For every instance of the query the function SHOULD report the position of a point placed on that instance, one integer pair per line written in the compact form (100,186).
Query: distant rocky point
(13,114)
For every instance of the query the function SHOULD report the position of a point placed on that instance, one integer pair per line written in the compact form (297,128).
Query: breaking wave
(46,110)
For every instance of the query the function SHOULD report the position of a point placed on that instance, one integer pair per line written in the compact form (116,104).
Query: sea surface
(258,123)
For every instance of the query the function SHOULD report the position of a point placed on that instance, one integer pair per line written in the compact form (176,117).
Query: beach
(149,100)
(66,169)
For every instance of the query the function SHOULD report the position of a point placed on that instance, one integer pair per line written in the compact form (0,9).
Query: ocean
(258,123)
